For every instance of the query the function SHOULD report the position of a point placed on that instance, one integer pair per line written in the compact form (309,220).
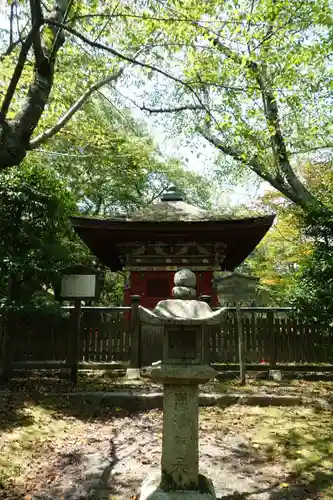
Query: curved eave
(240,235)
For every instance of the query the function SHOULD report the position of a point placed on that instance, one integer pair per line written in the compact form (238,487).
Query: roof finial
(172,194)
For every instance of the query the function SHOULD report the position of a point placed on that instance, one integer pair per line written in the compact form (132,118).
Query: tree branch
(278,145)
(177,109)
(11,22)
(106,22)
(59,31)
(41,138)
(17,72)
(9,49)
(159,193)
(159,19)
(28,117)
(252,163)
(14,44)
(37,18)
(309,150)
(125,57)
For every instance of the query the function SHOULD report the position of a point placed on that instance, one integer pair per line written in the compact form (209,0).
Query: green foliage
(278,256)
(313,283)
(113,288)
(35,236)
(119,168)
(260,71)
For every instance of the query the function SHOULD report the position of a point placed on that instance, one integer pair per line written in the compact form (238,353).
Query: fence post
(5,344)
(75,340)
(206,332)
(135,353)
(272,339)
(241,347)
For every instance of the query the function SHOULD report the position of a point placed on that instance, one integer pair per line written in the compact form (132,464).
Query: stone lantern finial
(185,281)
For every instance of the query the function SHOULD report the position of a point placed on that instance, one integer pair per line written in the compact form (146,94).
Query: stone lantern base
(151,490)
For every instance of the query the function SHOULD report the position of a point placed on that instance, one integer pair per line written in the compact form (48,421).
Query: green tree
(253,78)
(48,72)
(280,253)
(113,166)
(36,240)
(312,286)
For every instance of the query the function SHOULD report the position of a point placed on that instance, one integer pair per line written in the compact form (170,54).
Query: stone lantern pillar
(182,369)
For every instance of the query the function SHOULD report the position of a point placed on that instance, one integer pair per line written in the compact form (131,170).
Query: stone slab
(182,374)
(150,400)
(151,490)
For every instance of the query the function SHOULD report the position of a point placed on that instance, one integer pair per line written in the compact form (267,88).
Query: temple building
(155,242)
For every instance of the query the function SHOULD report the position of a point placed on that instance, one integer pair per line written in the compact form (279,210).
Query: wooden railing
(271,335)
(108,334)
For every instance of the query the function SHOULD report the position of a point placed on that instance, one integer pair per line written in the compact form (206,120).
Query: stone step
(138,400)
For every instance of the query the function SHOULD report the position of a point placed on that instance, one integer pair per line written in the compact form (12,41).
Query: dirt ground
(105,380)
(55,449)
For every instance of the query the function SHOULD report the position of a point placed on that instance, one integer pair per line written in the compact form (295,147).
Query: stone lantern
(182,369)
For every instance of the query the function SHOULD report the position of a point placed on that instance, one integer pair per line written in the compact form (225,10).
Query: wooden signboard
(78,283)
(238,288)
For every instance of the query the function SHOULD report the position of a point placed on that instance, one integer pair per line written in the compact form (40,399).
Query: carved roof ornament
(172,194)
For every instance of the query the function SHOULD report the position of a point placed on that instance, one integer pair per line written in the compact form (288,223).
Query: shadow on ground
(12,412)
(296,490)
(310,452)
(58,381)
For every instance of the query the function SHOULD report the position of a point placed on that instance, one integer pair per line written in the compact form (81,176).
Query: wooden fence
(271,335)
(104,337)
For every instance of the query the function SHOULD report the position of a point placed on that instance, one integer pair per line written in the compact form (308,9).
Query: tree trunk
(5,331)
(15,134)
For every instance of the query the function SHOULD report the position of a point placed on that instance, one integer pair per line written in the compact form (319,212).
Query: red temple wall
(153,286)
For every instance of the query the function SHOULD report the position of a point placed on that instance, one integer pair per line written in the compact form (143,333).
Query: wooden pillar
(207,332)
(5,354)
(135,358)
(241,347)
(272,337)
(75,340)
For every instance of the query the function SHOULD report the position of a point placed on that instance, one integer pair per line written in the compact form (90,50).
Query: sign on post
(78,283)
